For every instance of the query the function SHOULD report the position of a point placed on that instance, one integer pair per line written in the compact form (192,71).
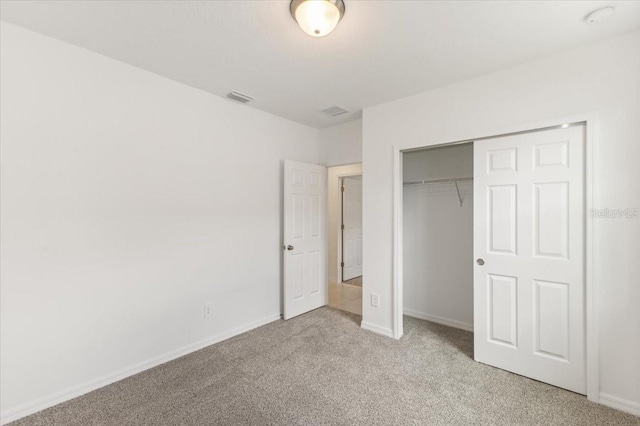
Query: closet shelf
(428,181)
(447,180)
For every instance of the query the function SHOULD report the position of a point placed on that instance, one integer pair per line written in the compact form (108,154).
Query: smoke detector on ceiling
(239,97)
(600,15)
(334,111)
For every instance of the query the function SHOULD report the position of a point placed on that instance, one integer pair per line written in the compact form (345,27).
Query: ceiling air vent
(335,111)
(239,97)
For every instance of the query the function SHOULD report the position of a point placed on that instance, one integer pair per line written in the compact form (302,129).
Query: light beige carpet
(322,369)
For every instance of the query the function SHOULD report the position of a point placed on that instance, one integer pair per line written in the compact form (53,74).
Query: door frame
(591,306)
(341,223)
(341,232)
(334,184)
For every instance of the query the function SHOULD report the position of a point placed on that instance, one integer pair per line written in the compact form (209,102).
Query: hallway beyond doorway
(357,281)
(346,297)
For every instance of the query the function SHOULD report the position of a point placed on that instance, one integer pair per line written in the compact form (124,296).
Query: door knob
(289,247)
(480,262)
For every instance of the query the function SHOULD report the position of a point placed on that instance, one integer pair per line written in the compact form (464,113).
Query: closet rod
(458,179)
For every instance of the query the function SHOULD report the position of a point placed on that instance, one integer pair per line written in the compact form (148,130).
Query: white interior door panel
(305,282)
(529,212)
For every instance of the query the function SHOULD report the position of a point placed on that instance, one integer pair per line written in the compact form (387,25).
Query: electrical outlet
(208,310)
(375,300)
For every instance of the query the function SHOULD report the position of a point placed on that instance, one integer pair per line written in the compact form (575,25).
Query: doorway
(530,196)
(351,230)
(345,238)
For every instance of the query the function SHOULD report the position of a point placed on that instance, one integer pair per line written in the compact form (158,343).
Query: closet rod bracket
(458,191)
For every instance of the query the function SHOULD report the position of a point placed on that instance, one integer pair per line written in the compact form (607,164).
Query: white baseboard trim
(376,329)
(625,405)
(40,404)
(438,319)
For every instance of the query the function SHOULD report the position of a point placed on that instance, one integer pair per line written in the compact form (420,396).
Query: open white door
(305,279)
(529,212)
(352,227)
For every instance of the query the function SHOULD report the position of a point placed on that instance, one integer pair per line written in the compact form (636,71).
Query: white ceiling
(380,51)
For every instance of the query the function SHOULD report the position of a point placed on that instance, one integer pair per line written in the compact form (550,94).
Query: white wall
(342,144)
(128,201)
(603,78)
(438,237)
(333,213)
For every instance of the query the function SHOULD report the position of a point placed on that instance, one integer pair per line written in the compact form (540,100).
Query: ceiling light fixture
(317,17)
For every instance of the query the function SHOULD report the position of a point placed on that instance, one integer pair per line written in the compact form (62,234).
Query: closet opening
(437,224)
(527,240)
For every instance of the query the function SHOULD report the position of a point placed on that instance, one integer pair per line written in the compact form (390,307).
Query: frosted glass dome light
(317,17)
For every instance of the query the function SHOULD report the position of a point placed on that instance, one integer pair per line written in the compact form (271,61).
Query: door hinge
(341,188)
(342,264)
(341,226)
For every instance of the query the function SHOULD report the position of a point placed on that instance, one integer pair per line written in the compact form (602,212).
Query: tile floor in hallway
(346,297)
(355,281)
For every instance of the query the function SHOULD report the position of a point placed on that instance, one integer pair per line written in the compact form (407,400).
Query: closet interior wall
(438,235)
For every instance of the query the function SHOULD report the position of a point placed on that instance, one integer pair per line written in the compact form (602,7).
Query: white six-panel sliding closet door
(529,213)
